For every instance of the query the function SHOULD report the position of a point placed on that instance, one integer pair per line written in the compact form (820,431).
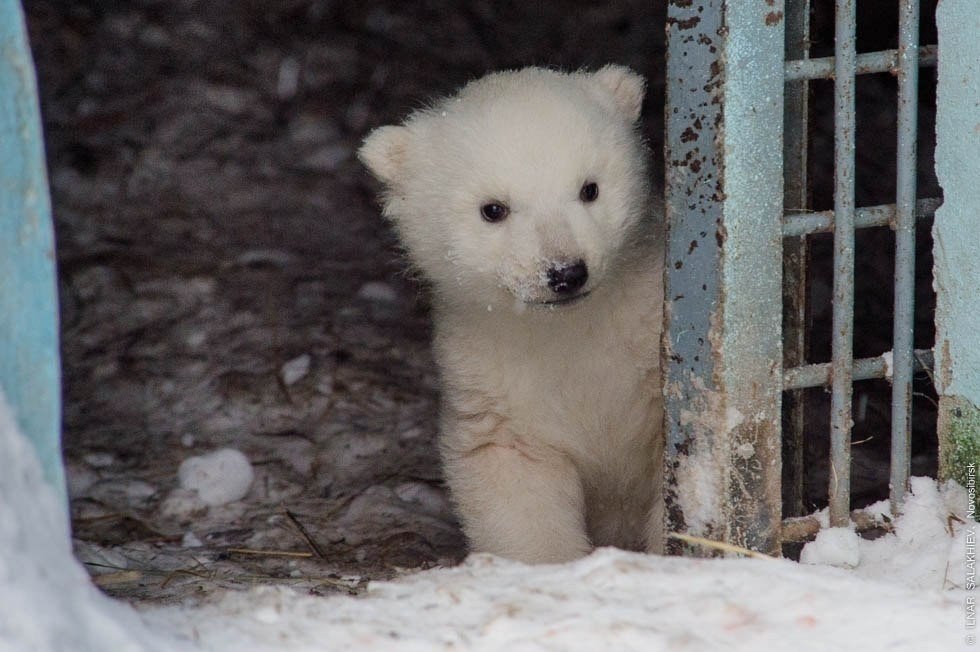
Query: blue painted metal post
(956,236)
(841,380)
(722,343)
(29,356)
(906,166)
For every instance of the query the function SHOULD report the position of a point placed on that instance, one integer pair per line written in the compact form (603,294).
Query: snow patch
(925,551)
(892,600)
(49,604)
(698,475)
(889,359)
(836,546)
(611,600)
(698,488)
(191,540)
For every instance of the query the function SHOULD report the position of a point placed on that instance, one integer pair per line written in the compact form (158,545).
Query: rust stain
(773,18)
(687,23)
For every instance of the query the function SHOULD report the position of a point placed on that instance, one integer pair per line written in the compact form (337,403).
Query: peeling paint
(722,355)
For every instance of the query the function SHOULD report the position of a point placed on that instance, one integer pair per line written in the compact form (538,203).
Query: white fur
(551,419)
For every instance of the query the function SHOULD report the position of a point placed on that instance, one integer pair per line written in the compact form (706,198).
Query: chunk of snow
(889,359)
(220,477)
(836,546)
(294,370)
(190,540)
(182,505)
(99,460)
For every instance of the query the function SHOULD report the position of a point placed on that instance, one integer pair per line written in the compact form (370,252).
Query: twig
(180,571)
(121,577)
(303,533)
(718,545)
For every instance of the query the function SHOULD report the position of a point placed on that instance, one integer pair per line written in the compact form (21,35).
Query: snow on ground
(615,600)
(47,603)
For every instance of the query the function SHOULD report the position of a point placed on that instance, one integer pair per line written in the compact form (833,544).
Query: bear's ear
(384,151)
(625,87)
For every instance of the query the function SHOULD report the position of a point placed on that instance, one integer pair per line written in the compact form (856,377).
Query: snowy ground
(906,591)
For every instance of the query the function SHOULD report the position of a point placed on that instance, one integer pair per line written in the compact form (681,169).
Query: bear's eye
(589,191)
(494,211)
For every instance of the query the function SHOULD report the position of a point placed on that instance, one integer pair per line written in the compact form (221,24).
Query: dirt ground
(226,279)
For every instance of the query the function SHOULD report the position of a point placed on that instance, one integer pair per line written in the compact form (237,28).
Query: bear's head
(526,188)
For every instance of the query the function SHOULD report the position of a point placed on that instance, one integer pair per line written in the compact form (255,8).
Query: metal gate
(738,77)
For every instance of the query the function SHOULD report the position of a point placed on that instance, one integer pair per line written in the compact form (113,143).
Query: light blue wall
(957,225)
(956,237)
(29,355)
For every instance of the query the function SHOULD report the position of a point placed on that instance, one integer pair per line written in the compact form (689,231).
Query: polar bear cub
(525,201)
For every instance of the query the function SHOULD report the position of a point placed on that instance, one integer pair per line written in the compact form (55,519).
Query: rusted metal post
(955,234)
(723,354)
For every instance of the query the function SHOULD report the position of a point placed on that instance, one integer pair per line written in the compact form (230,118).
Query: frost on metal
(957,269)
(724,207)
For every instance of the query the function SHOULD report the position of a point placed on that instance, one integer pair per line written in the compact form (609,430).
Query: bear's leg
(521,504)
(655,537)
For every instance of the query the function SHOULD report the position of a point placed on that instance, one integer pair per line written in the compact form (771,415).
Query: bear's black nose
(565,279)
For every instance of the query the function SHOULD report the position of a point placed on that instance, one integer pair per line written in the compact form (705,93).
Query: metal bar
(722,354)
(819,375)
(882,215)
(902,342)
(795,254)
(867,63)
(843,312)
